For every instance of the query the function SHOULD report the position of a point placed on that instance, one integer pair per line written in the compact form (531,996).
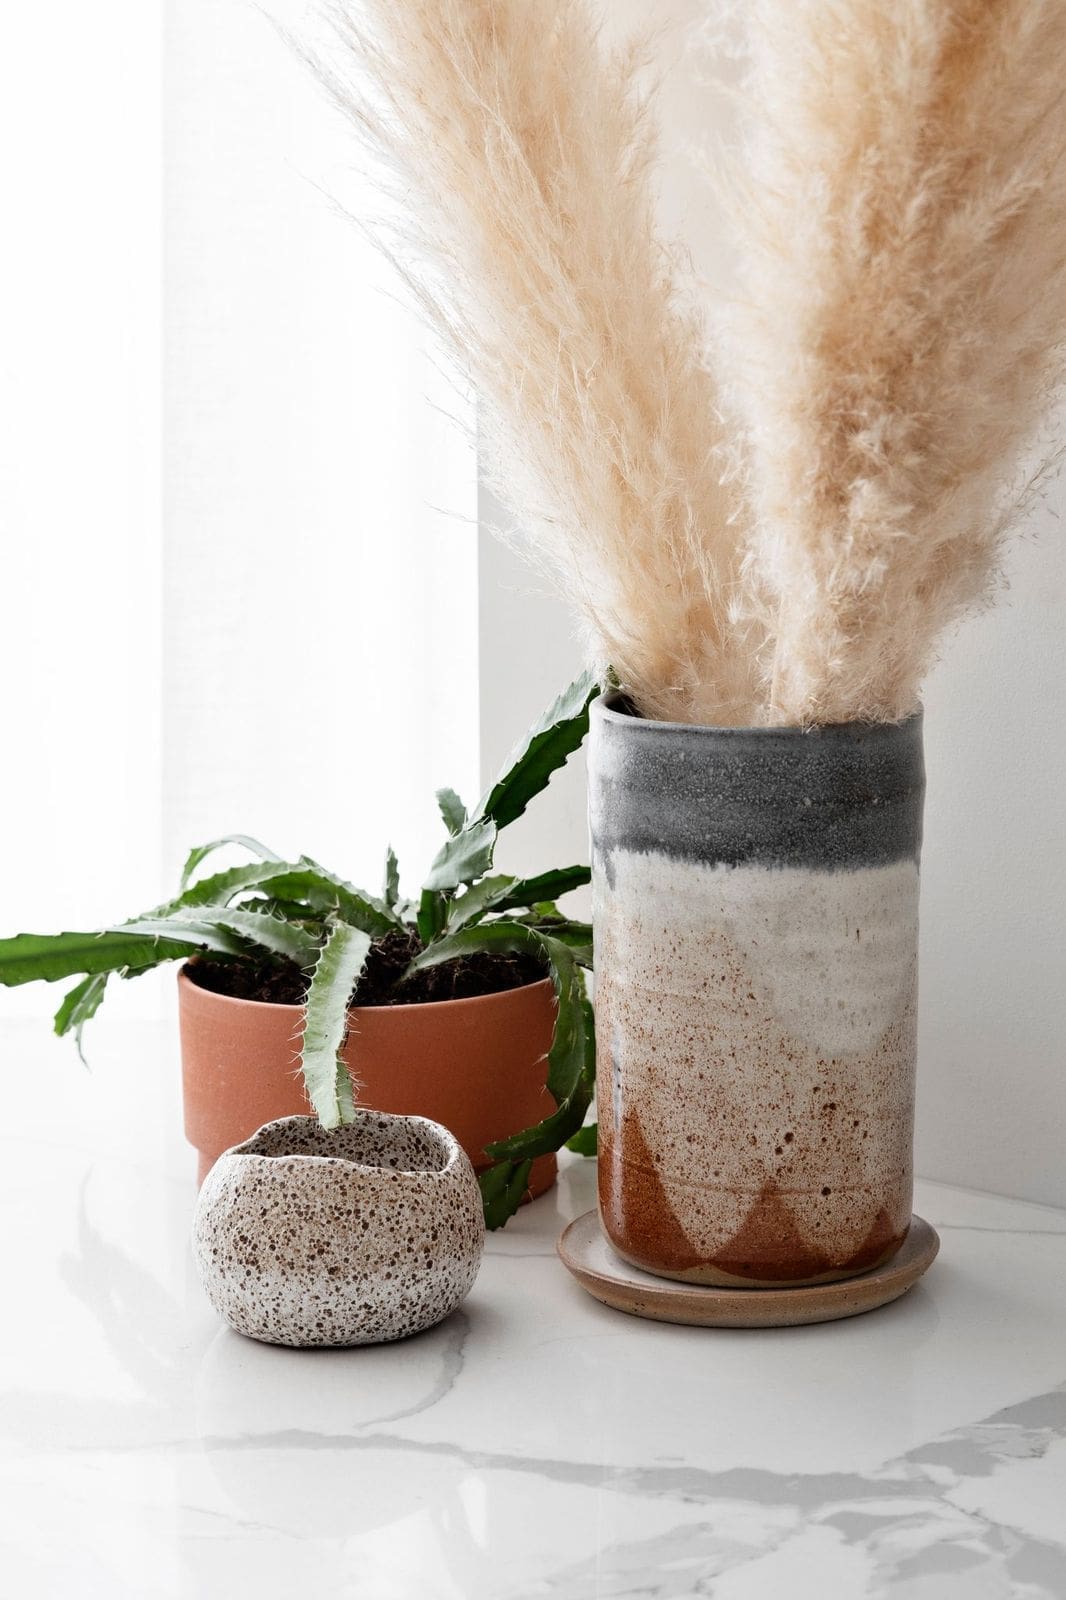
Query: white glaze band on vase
(756,924)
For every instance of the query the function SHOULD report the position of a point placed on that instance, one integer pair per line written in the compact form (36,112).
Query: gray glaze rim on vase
(837,797)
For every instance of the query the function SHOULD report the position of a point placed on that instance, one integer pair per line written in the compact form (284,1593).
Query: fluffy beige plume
(528,151)
(902,335)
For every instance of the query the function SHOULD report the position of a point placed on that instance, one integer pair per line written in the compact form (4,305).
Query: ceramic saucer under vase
(586,1253)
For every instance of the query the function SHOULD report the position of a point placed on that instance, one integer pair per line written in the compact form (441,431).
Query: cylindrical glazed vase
(756,926)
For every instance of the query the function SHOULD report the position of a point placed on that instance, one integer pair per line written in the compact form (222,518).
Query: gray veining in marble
(535,1446)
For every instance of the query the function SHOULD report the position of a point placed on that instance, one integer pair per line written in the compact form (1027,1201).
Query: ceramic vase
(476,1065)
(756,926)
(368,1233)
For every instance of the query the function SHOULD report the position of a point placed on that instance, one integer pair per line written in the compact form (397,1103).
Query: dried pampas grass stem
(531,245)
(902,338)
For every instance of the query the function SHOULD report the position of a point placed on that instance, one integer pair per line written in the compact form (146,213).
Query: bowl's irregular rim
(454,1150)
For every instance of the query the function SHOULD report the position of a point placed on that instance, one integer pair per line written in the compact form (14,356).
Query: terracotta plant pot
(756,915)
(368,1233)
(476,1066)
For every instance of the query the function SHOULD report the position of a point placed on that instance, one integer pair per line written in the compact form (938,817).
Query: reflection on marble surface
(536,1444)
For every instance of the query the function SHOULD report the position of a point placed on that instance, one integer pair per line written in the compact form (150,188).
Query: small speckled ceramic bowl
(368,1233)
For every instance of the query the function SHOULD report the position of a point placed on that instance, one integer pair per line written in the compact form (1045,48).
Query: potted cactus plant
(299,991)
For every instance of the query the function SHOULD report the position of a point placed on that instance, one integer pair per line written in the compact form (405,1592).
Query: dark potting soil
(261,976)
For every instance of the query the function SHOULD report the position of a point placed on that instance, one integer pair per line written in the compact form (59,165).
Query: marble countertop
(536,1444)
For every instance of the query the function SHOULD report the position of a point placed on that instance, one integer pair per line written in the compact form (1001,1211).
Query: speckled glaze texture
(756,923)
(365,1234)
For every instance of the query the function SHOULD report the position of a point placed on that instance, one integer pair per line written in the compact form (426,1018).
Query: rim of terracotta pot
(417,1005)
(451,1146)
(616,706)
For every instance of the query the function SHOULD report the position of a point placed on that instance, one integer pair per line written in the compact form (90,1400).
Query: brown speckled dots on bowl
(365,1234)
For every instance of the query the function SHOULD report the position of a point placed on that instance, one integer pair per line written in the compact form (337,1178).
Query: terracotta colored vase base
(586,1253)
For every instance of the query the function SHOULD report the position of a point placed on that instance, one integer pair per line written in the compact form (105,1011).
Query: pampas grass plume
(901,340)
(897,344)
(531,246)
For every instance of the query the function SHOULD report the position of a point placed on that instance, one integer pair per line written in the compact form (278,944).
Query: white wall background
(272,628)
(320,643)
(80,290)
